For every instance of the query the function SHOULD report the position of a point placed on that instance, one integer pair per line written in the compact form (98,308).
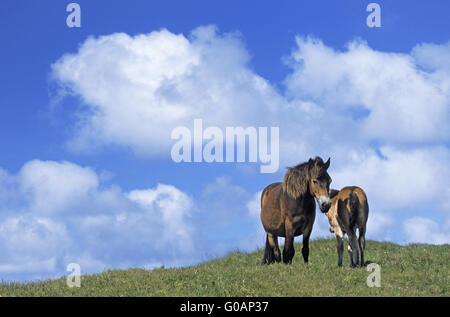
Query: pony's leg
(268,252)
(305,247)
(273,240)
(353,248)
(340,249)
(272,250)
(362,243)
(288,250)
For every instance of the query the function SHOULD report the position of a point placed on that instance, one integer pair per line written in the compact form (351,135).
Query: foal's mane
(333,193)
(295,181)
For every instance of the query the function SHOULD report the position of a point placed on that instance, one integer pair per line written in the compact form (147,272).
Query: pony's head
(310,177)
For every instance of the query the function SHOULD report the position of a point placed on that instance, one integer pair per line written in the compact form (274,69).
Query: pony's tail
(268,253)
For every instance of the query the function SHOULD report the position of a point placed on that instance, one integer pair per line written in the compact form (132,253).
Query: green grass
(413,270)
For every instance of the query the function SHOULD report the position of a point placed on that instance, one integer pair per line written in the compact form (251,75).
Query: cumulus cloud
(30,247)
(173,207)
(432,57)
(424,230)
(52,186)
(254,205)
(398,179)
(135,90)
(60,213)
(380,226)
(227,216)
(393,99)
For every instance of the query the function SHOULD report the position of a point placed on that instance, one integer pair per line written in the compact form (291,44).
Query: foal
(349,210)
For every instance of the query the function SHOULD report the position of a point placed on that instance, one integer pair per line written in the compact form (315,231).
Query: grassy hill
(413,270)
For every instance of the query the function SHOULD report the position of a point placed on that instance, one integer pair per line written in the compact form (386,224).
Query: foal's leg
(353,248)
(362,243)
(340,249)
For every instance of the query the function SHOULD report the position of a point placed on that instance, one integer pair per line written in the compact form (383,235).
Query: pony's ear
(295,182)
(327,164)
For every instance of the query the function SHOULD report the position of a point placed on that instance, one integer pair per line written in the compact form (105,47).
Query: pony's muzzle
(324,204)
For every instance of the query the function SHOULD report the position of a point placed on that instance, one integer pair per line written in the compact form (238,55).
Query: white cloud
(398,102)
(59,213)
(254,205)
(52,186)
(135,90)
(32,269)
(30,247)
(432,57)
(401,179)
(321,228)
(172,206)
(101,227)
(256,237)
(380,226)
(424,230)
(31,235)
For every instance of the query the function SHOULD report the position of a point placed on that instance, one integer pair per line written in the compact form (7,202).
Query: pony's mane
(295,181)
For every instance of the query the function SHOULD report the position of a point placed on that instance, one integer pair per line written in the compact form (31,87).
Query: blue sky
(78,167)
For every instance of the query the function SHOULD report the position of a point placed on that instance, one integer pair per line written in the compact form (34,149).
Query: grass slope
(413,270)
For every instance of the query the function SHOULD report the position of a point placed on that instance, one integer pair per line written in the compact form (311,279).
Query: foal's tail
(354,200)
(359,210)
(354,205)
(359,213)
(361,205)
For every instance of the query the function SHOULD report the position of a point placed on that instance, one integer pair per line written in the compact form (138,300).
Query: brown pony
(288,209)
(349,210)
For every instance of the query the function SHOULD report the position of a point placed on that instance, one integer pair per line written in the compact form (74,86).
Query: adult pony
(288,209)
(349,210)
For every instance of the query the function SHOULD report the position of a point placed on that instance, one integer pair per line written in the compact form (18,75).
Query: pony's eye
(315,181)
